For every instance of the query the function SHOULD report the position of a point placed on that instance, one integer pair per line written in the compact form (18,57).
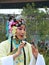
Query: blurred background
(37,21)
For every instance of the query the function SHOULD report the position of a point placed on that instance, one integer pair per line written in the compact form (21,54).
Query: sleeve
(32,61)
(7,60)
(40,60)
(4,59)
(32,58)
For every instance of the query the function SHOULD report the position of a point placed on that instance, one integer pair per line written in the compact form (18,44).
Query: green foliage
(2,28)
(37,22)
(2,36)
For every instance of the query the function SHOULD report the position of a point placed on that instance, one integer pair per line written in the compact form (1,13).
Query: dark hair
(14,20)
(10,18)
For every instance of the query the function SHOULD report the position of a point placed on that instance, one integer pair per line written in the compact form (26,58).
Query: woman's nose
(23,31)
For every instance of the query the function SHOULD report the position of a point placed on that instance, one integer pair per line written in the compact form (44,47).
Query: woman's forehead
(22,26)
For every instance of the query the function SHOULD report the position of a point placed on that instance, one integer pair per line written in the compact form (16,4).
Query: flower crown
(18,23)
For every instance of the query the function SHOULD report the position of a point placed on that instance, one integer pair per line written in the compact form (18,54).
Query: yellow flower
(14,31)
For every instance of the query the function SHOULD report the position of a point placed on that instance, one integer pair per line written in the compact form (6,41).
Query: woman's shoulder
(6,42)
(4,47)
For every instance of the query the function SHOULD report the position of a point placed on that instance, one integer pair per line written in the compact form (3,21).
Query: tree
(37,22)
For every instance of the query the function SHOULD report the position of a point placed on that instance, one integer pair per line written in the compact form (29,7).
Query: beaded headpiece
(19,20)
(17,23)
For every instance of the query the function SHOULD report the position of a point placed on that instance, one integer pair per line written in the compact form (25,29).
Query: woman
(16,51)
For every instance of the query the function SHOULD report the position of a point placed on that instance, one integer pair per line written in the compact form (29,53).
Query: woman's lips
(21,35)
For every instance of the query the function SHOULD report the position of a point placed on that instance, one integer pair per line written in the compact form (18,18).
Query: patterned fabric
(10,23)
(5,50)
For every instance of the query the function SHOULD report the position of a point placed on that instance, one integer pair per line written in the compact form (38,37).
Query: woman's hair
(10,18)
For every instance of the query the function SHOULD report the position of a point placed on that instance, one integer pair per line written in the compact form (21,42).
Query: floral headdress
(16,24)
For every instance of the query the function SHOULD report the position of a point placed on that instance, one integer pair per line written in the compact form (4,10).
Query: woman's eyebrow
(19,27)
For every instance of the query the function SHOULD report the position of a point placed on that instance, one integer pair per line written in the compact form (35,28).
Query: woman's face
(21,32)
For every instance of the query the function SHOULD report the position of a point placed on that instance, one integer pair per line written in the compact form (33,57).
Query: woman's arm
(39,58)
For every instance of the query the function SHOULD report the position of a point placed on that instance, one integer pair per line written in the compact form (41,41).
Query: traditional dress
(7,59)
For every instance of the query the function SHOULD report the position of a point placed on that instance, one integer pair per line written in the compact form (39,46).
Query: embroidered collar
(16,43)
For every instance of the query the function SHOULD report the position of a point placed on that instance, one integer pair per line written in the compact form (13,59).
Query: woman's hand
(19,50)
(34,51)
(20,47)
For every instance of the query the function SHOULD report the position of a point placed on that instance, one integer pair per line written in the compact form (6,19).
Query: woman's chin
(21,38)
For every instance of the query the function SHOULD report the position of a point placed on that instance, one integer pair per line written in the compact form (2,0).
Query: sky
(14,11)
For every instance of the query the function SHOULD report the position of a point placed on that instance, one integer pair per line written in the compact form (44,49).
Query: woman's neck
(17,40)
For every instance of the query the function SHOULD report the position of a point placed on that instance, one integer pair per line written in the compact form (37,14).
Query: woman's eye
(20,28)
(24,29)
